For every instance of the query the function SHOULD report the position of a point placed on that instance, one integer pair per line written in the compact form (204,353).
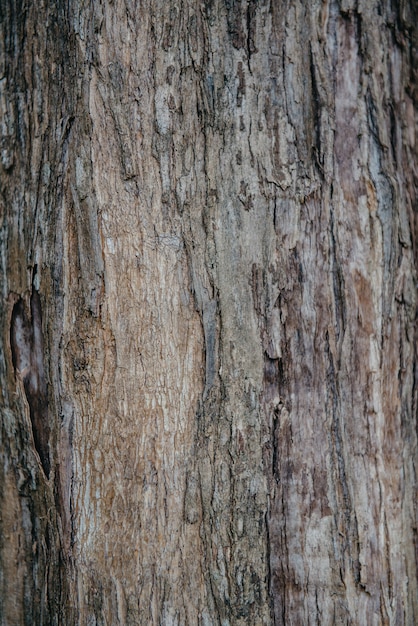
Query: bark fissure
(26,340)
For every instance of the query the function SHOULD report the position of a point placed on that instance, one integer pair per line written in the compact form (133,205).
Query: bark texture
(208,344)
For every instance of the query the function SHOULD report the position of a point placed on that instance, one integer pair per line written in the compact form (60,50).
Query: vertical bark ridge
(357,392)
(33,108)
(219,201)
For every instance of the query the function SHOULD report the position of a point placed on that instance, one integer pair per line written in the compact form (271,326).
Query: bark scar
(26,341)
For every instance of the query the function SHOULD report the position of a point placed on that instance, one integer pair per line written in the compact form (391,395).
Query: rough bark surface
(208,344)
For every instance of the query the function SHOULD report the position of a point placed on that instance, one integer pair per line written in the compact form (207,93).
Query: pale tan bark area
(154,244)
(137,552)
(215,202)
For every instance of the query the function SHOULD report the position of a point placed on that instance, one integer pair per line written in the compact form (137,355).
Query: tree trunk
(208,343)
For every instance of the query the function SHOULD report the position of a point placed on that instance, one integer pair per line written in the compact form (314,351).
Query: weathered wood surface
(208,275)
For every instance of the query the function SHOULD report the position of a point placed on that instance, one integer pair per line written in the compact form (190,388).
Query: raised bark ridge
(219,201)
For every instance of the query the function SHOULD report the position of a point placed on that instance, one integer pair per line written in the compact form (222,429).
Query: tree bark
(208,347)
